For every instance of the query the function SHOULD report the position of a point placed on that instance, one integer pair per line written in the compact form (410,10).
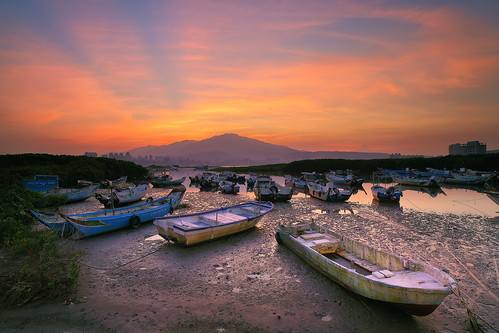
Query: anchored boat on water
(413,286)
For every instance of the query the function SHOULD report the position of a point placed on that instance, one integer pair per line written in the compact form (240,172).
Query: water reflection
(450,199)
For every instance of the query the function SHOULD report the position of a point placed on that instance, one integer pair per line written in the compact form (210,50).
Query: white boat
(328,192)
(343,180)
(414,180)
(201,227)
(266,189)
(413,286)
(123,195)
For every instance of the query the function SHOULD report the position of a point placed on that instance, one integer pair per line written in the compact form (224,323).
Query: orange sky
(406,77)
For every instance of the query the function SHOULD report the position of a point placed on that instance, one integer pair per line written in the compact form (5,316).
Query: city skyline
(407,77)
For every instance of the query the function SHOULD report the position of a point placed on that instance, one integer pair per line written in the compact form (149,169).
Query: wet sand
(133,280)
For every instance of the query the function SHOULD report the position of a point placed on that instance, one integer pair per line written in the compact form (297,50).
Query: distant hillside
(232,149)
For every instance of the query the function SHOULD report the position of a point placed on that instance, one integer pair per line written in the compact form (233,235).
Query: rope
(472,316)
(129,262)
(462,203)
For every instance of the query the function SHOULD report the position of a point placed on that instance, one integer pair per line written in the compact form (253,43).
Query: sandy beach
(133,280)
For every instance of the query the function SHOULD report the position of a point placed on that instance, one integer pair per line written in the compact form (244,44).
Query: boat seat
(315,235)
(208,219)
(383,274)
(361,262)
(326,245)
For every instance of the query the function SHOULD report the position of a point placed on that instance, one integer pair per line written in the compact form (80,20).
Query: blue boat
(89,224)
(383,194)
(42,183)
(96,223)
(74,195)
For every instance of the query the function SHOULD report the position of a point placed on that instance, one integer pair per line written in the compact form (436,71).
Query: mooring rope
(472,316)
(126,263)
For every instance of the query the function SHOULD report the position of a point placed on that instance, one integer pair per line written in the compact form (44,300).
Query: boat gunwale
(426,268)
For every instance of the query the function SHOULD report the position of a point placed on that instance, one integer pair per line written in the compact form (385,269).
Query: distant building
(472,147)
(91,154)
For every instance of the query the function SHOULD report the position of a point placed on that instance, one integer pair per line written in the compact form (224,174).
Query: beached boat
(386,194)
(201,227)
(90,224)
(42,182)
(228,187)
(167,181)
(328,192)
(74,195)
(413,286)
(414,180)
(266,189)
(338,179)
(295,182)
(123,195)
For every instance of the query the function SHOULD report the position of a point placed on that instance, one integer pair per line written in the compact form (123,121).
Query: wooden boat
(413,286)
(123,195)
(266,189)
(201,227)
(90,224)
(167,181)
(328,192)
(74,195)
(467,178)
(416,180)
(294,182)
(338,179)
(42,182)
(384,194)
(54,222)
(228,187)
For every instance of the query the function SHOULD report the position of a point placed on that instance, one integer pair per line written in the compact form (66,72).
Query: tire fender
(134,221)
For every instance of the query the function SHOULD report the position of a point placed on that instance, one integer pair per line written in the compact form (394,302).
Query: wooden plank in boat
(313,236)
(361,262)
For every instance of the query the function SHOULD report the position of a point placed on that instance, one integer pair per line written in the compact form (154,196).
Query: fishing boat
(339,179)
(467,178)
(42,182)
(228,187)
(123,195)
(295,182)
(90,224)
(74,195)
(386,194)
(266,189)
(201,227)
(328,192)
(414,180)
(167,181)
(413,286)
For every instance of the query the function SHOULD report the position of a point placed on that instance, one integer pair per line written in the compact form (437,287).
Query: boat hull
(194,229)
(92,224)
(415,301)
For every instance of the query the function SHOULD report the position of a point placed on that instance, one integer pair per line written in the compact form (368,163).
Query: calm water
(450,200)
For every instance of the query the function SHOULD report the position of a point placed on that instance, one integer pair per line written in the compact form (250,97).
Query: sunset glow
(407,77)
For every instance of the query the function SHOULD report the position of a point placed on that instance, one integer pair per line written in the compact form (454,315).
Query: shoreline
(132,280)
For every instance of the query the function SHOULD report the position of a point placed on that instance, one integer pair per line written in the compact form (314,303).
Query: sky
(409,77)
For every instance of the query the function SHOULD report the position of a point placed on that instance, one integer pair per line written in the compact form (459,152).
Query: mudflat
(133,280)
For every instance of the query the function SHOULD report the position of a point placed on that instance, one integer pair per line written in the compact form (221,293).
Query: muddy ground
(133,280)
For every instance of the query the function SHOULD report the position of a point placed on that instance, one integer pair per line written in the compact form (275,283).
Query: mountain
(233,149)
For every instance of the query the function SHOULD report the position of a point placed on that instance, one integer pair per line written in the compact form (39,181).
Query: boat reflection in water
(431,191)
